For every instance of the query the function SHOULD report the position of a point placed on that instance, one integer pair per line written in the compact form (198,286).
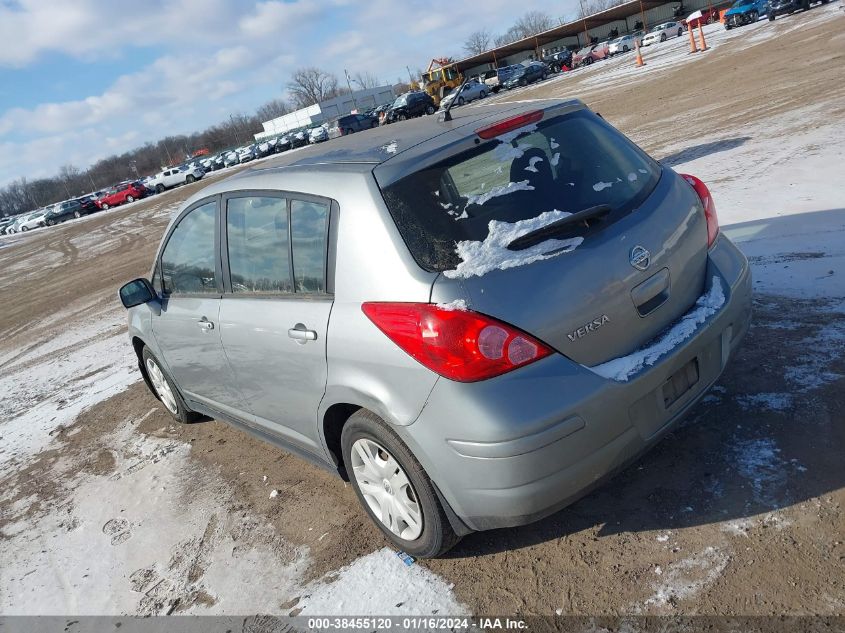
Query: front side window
(259,253)
(187,262)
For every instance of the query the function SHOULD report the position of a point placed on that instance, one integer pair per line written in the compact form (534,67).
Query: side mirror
(136,292)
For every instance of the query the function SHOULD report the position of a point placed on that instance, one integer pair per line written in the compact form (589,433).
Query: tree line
(306,87)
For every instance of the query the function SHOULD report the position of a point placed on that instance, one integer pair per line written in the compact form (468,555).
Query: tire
(172,399)
(130,199)
(429,109)
(771,17)
(587,61)
(190,179)
(625,49)
(159,188)
(461,101)
(753,17)
(365,431)
(680,32)
(105,206)
(663,37)
(77,214)
(523,83)
(24,229)
(482,94)
(543,77)
(402,117)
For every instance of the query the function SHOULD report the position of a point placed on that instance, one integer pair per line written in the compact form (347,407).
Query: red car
(128,192)
(590,54)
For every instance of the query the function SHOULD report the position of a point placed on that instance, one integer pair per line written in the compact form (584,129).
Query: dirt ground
(739,511)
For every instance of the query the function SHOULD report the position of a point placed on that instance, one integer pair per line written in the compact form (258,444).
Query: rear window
(568,163)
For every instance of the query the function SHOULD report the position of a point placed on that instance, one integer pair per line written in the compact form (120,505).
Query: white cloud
(215,57)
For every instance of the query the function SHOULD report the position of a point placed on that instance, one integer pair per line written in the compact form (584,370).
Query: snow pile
(621,369)
(457,304)
(479,258)
(503,190)
(687,577)
(381,584)
(758,461)
(532,162)
(390,148)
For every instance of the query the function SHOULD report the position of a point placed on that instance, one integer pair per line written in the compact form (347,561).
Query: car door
(186,328)
(274,314)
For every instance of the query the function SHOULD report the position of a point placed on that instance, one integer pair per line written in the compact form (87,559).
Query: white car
(472,90)
(246,154)
(173,177)
(230,159)
(662,32)
(33,220)
(625,43)
(318,135)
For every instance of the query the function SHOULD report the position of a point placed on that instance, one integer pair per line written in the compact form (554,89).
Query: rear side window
(259,252)
(309,221)
(568,163)
(187,262)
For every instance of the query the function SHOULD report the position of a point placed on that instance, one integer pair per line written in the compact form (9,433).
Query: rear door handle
(300,334)
(205,324)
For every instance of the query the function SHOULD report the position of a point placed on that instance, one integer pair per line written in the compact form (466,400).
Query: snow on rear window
(515,177)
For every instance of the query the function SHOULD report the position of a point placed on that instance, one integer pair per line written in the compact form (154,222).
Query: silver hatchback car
(473,320)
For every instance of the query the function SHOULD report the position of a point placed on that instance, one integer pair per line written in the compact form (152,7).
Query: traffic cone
(692,48)
(701,40)
(640,61)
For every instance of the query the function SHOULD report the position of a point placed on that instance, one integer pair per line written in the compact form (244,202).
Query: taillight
(709,207)
(508,125)
(457,344)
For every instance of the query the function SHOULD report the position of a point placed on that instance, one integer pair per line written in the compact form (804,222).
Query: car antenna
(446,115)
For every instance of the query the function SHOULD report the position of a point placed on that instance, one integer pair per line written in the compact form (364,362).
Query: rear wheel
(159,188)
(753,17)
(680,32)
(165,390)
(402,117)
(130,199)
(77,214)
(461,101)
(482,94)
(625,49)
(190,178)
(663,37)
(429,109)
(771,17)
(393,488)
(105,206)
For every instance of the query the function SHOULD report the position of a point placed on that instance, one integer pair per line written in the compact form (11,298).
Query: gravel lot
(105,507)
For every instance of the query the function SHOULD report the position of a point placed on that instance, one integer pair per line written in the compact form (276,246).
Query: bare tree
(478,42)
(311,85)
(365,80)
(532,23)
(272,110)
(511,35)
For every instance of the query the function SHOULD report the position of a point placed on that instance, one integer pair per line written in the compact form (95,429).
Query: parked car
(784,7)
(174,177)
(352,123)
(318,134)
(5,223)
(34,220)
(245,154)
(471,91)
(529,73)
(562,60)
(88,204)
(449,409)
(283,144)
(63,211)
(590,54)
(744,12)
(625,43)
(299,139)
(410,105)
(125,193)
(662,32)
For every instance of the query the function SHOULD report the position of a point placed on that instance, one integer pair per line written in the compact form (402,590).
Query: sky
(84,79)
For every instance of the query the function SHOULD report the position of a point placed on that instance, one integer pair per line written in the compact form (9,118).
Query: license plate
(680,382)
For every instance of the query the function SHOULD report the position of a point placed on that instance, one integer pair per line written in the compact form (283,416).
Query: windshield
(660,27)
(400,101)
(567,163)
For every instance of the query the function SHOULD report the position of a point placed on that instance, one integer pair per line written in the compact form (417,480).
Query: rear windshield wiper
(564,225)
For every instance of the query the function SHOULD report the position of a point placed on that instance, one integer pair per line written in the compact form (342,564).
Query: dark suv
(558,61)
(63,211)
(785,7)
(410,105)
(355,123)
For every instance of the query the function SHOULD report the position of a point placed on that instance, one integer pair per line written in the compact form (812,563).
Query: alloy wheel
(162,387)
(386,489)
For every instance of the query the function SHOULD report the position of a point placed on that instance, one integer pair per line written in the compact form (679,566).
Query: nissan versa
(473,320)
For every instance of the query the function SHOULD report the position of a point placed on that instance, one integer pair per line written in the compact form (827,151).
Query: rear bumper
(514,449)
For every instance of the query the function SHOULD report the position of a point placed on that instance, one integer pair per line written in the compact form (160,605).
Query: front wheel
(24,229)
(771,17)
(393,488)
(77,214)
(753,17)
(625,49)
(402,117)
(165,390)
(190,178)
(461,101)
(663,37)
(105,206)
(680,32)
(482,94)
(429,109)
(130,199)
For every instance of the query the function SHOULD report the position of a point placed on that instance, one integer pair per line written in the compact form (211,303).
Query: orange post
(701,40)
(692,48)
(640,61)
